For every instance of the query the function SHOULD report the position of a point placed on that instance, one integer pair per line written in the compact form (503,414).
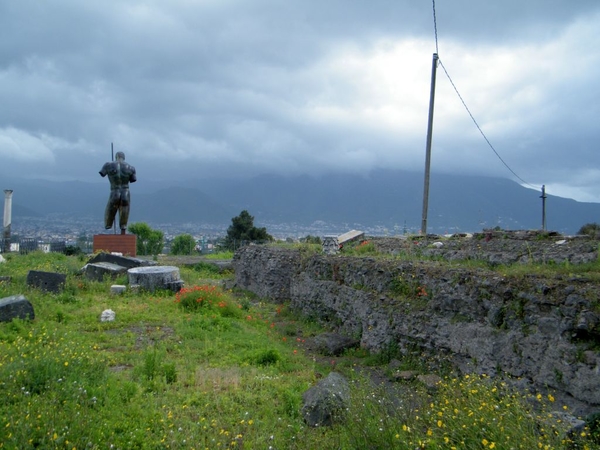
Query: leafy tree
(149,241)
(312,240)
(590,229)
(71,250)
(184,244)
(242,229)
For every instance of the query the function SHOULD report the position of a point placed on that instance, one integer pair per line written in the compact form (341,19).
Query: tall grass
(165,376)
(468,412)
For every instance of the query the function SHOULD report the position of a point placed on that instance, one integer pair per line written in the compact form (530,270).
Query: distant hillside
(49,197)
(21,211)
(180,205)
(394,199)
(386,198)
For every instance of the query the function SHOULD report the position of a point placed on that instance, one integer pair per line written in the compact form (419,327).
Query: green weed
(465,412)
(167,376)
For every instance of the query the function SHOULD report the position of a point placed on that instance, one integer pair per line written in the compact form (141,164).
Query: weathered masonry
(544,331)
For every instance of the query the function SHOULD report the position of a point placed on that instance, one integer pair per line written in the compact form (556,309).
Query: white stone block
(118,289)
(108,315)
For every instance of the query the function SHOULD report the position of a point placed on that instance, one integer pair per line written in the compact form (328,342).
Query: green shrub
(590,229)
(362,248)
(184,244)
(198,298)
(207,298)
(206,268)
(267,357)
(407,287)
(471,412)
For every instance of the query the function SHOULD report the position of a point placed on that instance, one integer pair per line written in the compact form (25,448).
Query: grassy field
(210,368)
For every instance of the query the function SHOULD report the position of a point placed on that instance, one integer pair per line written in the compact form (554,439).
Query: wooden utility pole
(543,197)
(428,146)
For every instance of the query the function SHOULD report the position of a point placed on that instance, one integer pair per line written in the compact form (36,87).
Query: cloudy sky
(201,88)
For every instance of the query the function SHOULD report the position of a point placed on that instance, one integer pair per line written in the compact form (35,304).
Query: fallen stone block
(16,306)
(119,260)
(46,281)
(431,381)
(332,244)
(118,289)
(97,271)
(325,403)
(333,344)
(153,278)
(174,286)
(565,423)
(404,375)
(5,279)
(350,236)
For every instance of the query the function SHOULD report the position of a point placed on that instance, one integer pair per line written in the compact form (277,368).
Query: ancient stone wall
(540,330)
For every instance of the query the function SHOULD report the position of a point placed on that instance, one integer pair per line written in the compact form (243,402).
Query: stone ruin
(541,330)
(142,274)
(332,245)
(16,306)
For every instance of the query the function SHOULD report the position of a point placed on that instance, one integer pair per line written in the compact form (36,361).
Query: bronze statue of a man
(120,174)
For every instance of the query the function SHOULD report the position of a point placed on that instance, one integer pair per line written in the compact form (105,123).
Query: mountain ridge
(384,198)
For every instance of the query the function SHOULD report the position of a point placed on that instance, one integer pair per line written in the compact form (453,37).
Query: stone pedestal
(97,271)
(117,243)
(156,277)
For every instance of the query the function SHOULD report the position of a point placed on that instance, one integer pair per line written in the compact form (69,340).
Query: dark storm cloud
(246,87)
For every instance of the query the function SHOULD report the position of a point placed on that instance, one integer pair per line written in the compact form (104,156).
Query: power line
(479,128)
(467,108)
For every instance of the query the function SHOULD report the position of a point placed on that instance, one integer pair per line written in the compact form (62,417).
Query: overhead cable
(467,108)
(479,128)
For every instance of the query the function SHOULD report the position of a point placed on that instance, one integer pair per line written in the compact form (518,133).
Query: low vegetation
(211,368)
(149,241)
(590,229)
(184,244)
(413,250)
(242,231)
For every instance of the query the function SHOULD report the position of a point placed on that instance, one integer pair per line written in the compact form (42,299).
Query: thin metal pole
(7,218)
(543,197)
(112,158)
(428,147)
